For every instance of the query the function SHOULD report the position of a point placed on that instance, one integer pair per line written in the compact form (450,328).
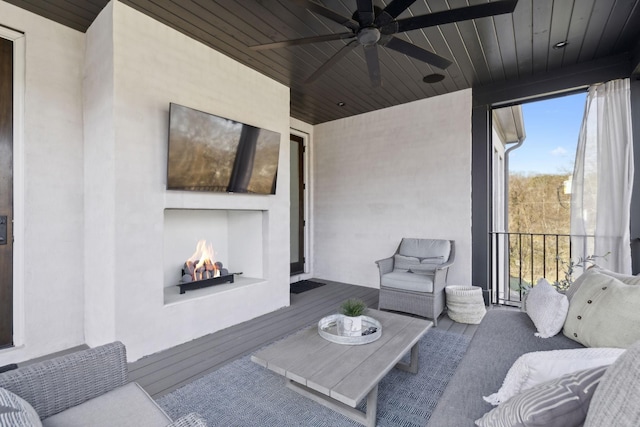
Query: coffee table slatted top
(345,373)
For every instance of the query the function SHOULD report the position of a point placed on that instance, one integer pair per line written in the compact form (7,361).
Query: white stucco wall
(48,280)
(403,171)
(99,182)
(154,65)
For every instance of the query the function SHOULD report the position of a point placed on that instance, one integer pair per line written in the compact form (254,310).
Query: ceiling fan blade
(365,13)
(455,15)
(305,40)
(331,62)
(329,14)
(373,64)
(416,52)
(391,12)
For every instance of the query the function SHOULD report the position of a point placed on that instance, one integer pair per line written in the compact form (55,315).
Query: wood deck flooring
(168,370)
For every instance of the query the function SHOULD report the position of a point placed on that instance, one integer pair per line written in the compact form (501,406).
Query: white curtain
(603,177)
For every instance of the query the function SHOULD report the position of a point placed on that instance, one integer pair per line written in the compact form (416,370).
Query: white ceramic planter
(352,326)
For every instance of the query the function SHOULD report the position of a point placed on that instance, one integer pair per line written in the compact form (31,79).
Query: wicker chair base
(424,304)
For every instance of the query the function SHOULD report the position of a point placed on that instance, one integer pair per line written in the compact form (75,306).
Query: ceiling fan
(371,26)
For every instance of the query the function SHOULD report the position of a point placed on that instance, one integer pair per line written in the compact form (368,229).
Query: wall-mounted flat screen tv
(211,153)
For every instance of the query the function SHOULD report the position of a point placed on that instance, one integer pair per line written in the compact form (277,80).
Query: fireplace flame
(201,264)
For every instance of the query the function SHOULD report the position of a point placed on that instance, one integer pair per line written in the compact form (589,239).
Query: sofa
(501,337)
(504,335)
(84,388)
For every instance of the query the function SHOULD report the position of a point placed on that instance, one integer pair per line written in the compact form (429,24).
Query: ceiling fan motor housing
(368,36)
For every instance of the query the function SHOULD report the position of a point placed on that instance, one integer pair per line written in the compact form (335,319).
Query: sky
(552,128)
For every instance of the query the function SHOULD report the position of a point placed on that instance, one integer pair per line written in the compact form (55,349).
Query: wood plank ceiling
(483,51)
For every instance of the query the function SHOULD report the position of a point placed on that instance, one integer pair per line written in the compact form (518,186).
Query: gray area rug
(243,393)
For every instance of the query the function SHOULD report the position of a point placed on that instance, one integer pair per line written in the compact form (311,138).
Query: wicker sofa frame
(56,385)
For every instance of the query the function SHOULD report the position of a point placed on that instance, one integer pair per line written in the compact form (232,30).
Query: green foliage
(569,268)
(353,307)
(586,262)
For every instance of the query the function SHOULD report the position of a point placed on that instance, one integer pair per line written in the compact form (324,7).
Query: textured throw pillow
(624,278)
(16,412)
(404,263)
(615,402)
(537,367)
(562,402)
(578,282)
(604,312)
(547,309)
(627,279)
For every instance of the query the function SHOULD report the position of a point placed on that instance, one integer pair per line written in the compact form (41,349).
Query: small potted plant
(352,309)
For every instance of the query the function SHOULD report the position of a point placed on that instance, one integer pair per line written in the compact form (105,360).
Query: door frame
(19,78)
(307,205)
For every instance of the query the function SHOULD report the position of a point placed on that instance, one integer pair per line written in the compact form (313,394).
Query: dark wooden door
(6,193)
(297,204)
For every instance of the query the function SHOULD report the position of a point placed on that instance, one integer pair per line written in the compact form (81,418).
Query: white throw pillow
(547,309)
(537,367)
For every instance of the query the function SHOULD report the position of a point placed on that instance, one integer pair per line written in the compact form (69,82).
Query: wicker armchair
(413,279)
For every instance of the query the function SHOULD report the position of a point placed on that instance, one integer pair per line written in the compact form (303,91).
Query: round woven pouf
(465,304)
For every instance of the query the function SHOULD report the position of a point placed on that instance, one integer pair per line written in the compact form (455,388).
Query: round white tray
(328,328)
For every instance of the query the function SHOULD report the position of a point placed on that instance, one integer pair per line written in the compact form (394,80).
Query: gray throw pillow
(16,412)
(427,265)
(615,402)
(562,402)
(405,263)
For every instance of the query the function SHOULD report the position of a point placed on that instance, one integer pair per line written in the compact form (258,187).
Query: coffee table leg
(366,418)
(412,366)
(372,407)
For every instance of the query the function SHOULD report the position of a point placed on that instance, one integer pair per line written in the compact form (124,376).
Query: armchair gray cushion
(408,281)
(125,406)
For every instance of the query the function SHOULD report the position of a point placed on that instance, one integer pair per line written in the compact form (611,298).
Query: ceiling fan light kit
(371,26)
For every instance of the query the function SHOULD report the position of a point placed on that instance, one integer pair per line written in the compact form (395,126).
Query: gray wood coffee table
(340,376)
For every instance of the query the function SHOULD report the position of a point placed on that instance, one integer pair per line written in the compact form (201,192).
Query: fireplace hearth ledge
(173,296)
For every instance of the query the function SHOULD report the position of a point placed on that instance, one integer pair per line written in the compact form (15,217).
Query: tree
(539,210)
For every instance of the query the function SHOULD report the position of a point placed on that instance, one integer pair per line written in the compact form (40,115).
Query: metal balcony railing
(519,260)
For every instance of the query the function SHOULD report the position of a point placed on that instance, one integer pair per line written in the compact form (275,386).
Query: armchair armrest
(385,265)
(440,276)
(55,385)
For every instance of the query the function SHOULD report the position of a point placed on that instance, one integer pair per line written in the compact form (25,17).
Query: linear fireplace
(225,242)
